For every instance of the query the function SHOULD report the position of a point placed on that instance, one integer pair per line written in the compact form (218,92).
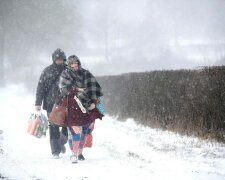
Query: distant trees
(30,28)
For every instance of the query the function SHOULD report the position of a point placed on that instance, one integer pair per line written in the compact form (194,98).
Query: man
(46,95)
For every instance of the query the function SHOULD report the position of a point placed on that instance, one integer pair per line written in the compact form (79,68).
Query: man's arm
(41,90)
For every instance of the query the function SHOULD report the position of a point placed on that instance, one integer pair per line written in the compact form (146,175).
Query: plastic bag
(37,125)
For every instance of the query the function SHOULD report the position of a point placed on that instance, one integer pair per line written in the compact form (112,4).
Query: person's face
(74,67)
(59,61)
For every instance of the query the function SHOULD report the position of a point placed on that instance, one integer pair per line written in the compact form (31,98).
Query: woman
(80,92)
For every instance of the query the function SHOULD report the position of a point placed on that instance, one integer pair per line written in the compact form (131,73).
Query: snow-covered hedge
(186,101)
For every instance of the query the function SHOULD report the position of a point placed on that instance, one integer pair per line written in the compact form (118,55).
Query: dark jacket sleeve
(41,89)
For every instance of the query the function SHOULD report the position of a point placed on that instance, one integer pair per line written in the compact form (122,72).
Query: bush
(185,101)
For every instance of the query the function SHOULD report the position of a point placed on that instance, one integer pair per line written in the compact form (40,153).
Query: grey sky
(119,36)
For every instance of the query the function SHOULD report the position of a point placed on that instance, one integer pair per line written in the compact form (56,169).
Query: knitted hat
(58,54)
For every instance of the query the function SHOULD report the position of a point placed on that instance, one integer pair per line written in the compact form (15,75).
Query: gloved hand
(38,108)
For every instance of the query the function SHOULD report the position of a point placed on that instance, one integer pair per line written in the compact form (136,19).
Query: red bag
(88,142)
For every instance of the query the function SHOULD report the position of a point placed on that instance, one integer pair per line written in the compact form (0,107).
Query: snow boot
(73,158)
(81,157)
(55,156)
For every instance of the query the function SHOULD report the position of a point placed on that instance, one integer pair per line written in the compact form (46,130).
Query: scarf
(81,79)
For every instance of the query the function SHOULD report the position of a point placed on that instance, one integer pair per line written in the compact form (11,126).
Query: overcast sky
(166,33)
(119,36)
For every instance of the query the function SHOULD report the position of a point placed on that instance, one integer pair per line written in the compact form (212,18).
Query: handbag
(59,114)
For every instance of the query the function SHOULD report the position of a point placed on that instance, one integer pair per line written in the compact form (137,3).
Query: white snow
(121,150)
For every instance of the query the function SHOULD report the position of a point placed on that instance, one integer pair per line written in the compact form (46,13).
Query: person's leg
(86,130)
(54,139)
(74,142)
(82,142)
(70,139)
(63,139)
(79,139)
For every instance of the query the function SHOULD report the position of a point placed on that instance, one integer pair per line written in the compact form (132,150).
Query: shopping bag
(37,125)
(88,142)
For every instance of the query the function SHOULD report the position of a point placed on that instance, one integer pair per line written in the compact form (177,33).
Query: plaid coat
(68,82)
(81,79)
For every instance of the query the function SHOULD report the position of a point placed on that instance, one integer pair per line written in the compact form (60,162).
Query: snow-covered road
(121,150)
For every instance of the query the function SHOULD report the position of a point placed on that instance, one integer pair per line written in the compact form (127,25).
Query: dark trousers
(58,137)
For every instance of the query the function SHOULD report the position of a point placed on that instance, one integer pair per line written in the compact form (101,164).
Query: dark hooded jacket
(47,88)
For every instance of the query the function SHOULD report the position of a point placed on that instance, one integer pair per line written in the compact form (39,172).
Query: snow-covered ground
(121,150)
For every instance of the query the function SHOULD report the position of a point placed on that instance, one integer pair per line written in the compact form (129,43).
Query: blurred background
(110,37)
